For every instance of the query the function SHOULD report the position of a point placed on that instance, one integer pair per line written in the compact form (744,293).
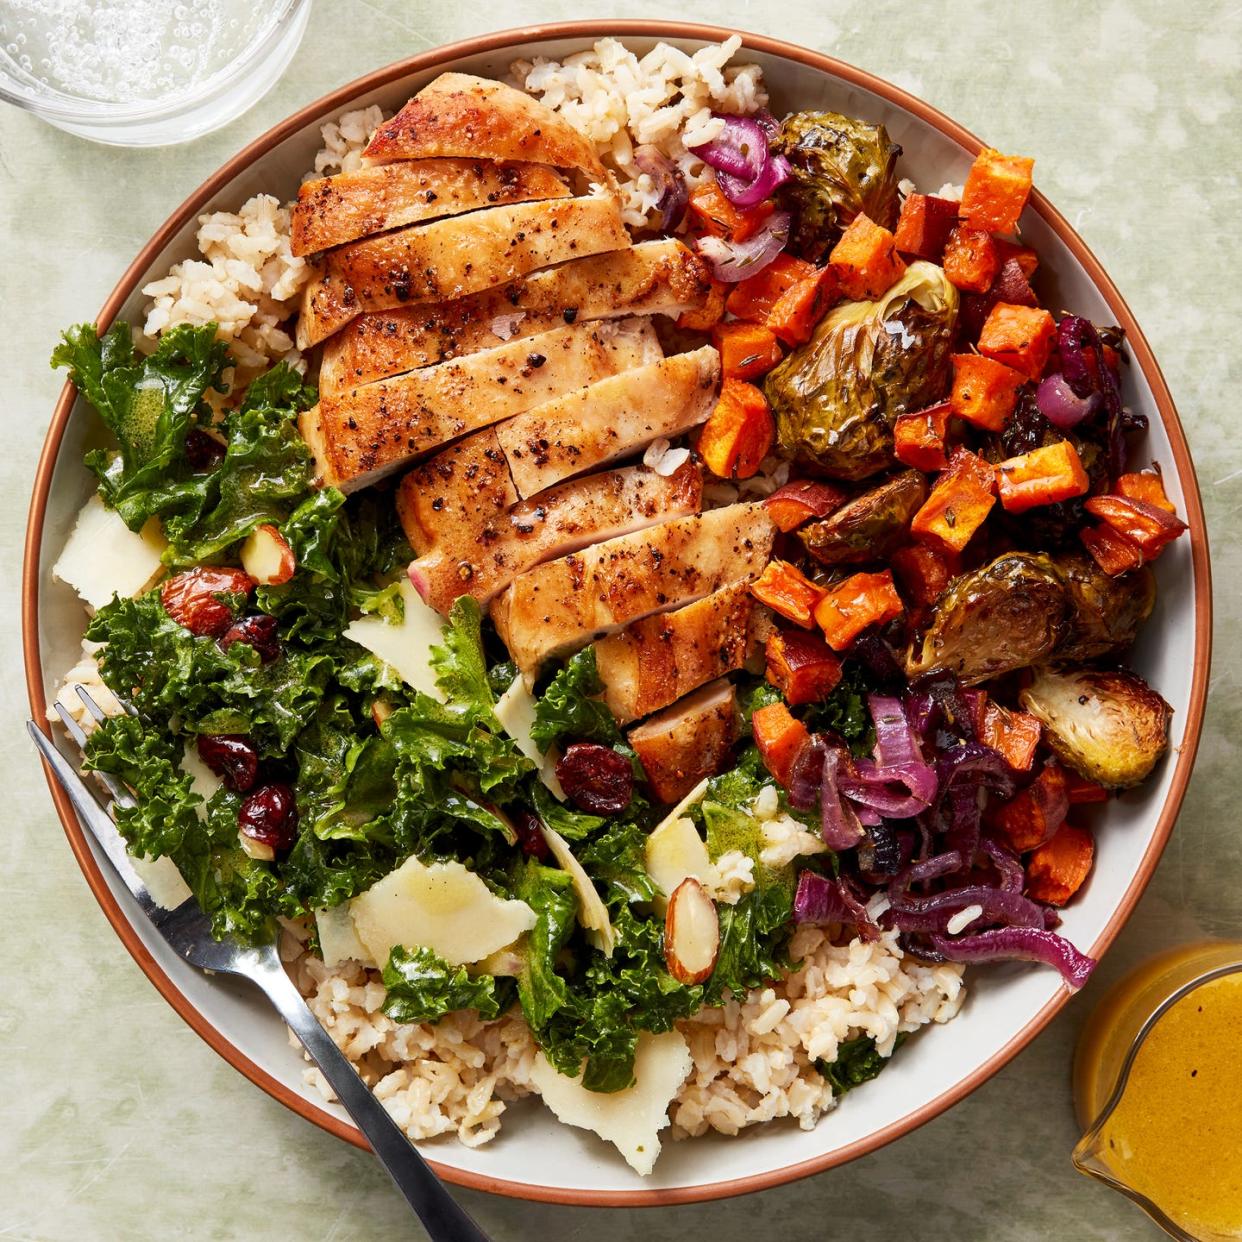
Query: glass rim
(1089,1138)
(64,107)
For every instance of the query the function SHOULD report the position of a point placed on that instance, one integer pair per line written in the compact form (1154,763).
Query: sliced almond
(691,933)
(381,709)
(258,850)
(267,557)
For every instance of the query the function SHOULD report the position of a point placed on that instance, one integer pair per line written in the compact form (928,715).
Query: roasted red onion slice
(998,905)
(670,183)
(746,171)
(1030,944)
(839,823)
(1061,405)
(819,899)
(734,261)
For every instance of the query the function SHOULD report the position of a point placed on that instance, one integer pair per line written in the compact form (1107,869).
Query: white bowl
(534,1156)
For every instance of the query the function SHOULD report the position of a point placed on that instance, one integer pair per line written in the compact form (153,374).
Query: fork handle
(443,1218)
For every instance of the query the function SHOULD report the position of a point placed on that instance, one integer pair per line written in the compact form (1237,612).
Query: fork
(188,932)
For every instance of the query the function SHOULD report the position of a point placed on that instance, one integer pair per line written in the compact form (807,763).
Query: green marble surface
(117,1122)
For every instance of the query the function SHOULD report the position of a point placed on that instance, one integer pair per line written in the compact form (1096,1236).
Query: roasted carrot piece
(707,316)
(746,350)
(924,226)
(1026,258)
(996,191)
(1030,818)
(738,433)
(958,505)
(1019,336)
(1083,791)
(1112,551)
(779,737)
(918,438)
(798,502)
(1145,525)
(970,260)
(855,603)
(866,259)
(1057,869)
(796,312)
(753,298)
(984,392)
(1146,485)
(801,666)
(1043,476)
(923,573)
(1014,734)
(788,591)
(714,214)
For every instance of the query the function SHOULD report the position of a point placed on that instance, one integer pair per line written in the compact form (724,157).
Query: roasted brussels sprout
(841,167)
(1005,616)
(1110,727)
(869,526)
(836,397)
(1104,612)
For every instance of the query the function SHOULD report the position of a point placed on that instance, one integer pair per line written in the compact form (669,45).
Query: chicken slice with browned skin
(370,431)
(343,208)
(561,605)
(470,542)
(662,277)
(581,430)
(688,741)
(459,114)
(451,258)
(653,662)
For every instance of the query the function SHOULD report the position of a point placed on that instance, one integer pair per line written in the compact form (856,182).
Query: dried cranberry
(270,816)
(231,757)
(258,632)
(530,838)
(595,778)
(202,451)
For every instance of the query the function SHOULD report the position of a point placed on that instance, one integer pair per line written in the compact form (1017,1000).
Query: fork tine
(120,795)
(98,712)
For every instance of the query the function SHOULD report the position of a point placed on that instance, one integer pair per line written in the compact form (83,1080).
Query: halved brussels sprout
(841,167)
(1005,616)
(870,525)
(836,397)
(1109,726)
(1105,612)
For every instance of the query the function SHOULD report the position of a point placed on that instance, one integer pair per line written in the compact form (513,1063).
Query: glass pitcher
(1158,1091)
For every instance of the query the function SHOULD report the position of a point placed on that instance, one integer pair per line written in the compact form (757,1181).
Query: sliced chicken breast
(451,258)
(657,277)
(585,429)
(458,114)
(688,741)
(560,606)
(653,662)
(370,431)
(339,209)
(471,543)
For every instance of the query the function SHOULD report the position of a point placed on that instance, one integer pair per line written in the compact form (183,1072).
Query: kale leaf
(568,708)
(423,987)
(857,1061)
(460,669)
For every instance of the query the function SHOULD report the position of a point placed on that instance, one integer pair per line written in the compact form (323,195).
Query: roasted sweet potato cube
(738,433)
(753,298)
(796,312)
(704,318)
(1111,550)
(715,215)
(984,392)
(1019,336)
(918,438)
(1044,476)
(958,505)
(788,591)
(923,573)
(1147,526)
(965,464)
(970,260)
(866,259)
(924,226)
(1030,818)
(856,603)
(1057,869)
(1015,735)
(996,191)
(779,736)
(798,502)
(801,666)
(747,350)
(1146,485)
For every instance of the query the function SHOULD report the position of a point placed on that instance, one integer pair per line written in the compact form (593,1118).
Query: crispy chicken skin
(591,427)
(688,741)
(350,205)
(653,662)
(454,257)
(473,538)
(370,431)
(656,277)
(563,604)
(459,114)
